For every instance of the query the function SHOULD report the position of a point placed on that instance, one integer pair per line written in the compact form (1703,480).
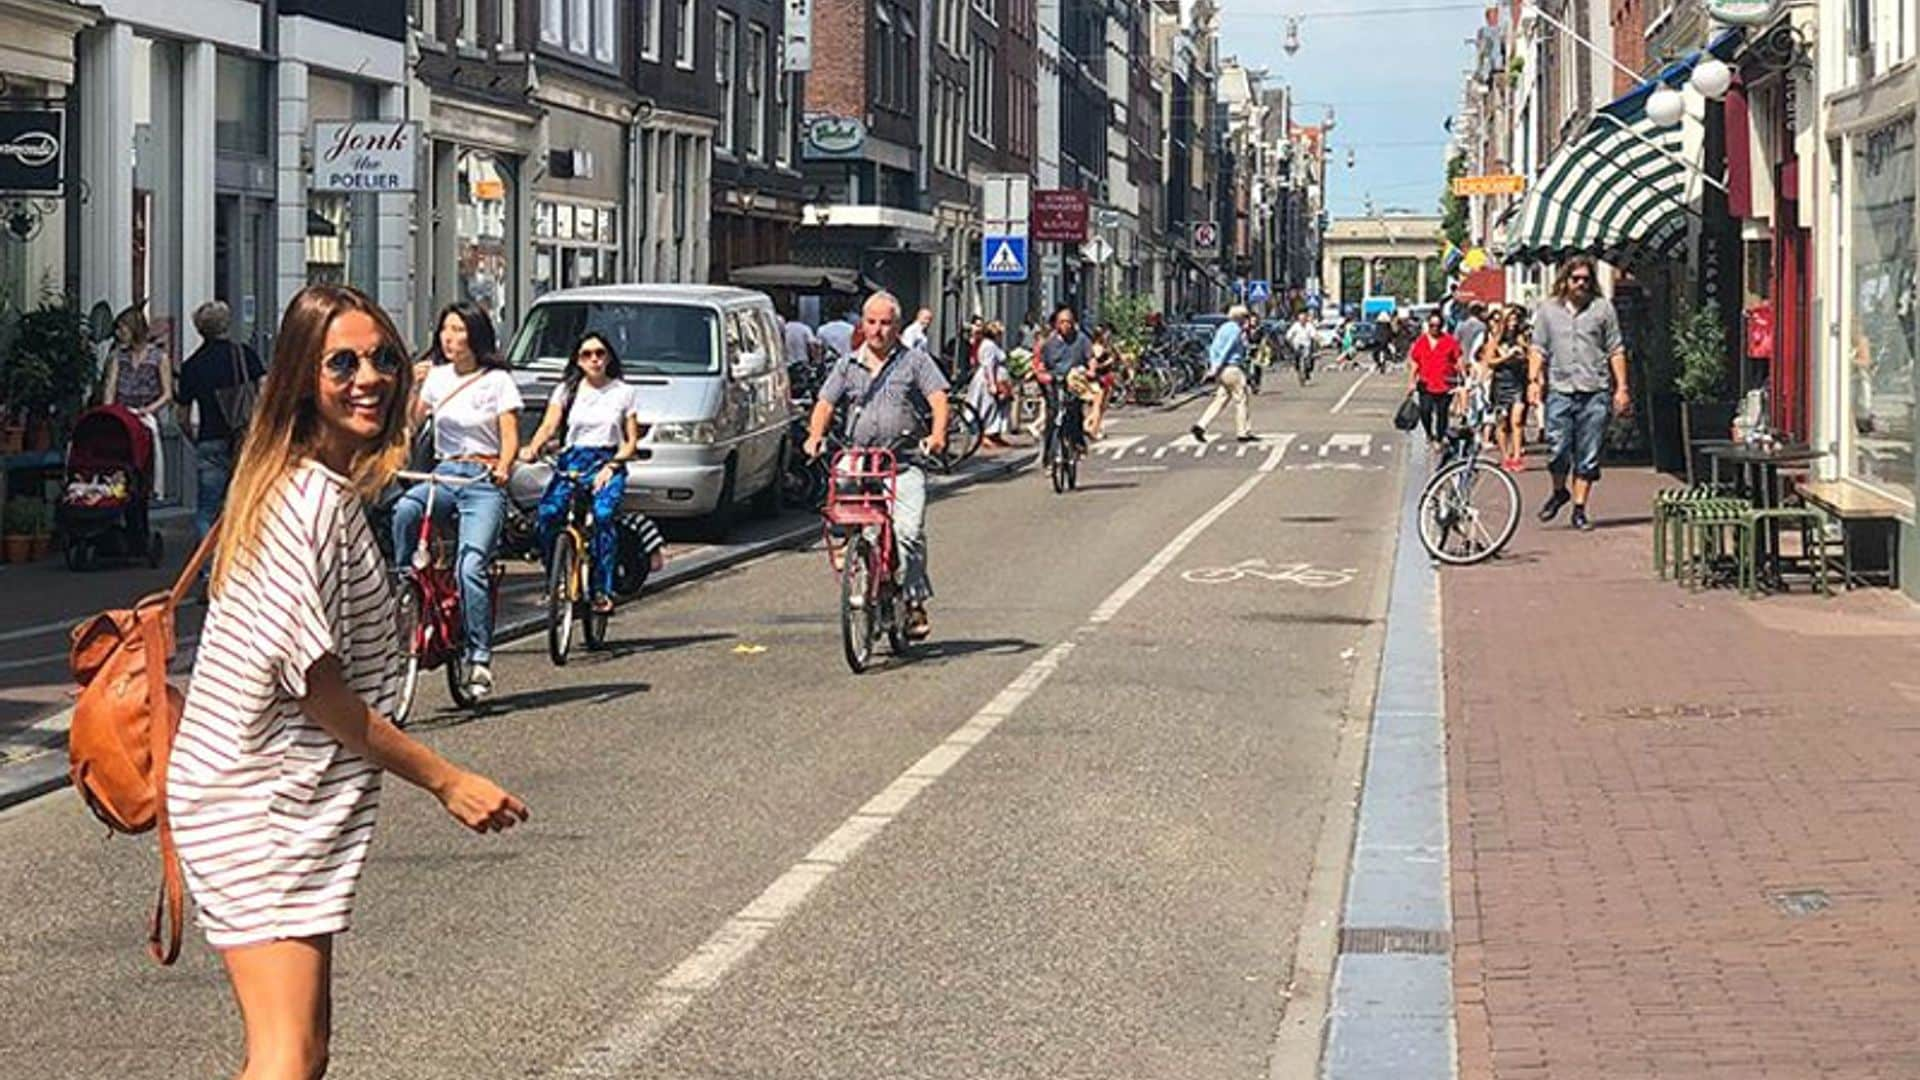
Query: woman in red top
(1433,374)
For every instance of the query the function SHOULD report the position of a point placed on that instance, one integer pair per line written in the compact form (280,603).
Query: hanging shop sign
(797,44)
(834,136)
(365,156)
(1743,12)
(1059,216)
(1466,187)
(33,151)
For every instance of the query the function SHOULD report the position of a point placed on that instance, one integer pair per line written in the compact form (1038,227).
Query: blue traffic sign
(1259,291)
(1003,259)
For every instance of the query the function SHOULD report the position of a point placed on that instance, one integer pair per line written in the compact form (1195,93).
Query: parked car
(1326,332)
(713,386)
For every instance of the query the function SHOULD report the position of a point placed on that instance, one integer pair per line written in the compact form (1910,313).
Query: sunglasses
(1576,278)
(591,350)
(342,365)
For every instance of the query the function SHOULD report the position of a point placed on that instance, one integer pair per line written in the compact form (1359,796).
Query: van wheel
(726,510)
(766,501)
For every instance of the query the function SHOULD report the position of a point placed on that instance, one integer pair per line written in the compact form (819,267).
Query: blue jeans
(1576,428)
(605,542)
(481,510)
(213,471)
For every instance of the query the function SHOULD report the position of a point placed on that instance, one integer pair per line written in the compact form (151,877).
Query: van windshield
(650,339)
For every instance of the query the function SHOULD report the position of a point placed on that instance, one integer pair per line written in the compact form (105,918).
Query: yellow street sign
(1498,184)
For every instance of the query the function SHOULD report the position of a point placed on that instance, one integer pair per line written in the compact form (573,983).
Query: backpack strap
(157,643)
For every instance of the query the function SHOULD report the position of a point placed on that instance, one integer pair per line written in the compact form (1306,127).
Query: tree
(1453,208)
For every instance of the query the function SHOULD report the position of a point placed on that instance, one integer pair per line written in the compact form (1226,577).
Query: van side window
(736,337)
(776,336)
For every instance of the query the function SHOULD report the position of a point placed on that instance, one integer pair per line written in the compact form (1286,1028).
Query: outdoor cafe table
(1759,472)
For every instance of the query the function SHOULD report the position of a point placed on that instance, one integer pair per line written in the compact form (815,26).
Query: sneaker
(1247,438)
(918,625)
(1199,433)
(1554,502)
(480,682)
(1580,519)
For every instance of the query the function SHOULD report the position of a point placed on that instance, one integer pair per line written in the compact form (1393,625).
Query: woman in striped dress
(275,772)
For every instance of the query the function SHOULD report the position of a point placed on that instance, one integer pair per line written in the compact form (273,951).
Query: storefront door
(242,270)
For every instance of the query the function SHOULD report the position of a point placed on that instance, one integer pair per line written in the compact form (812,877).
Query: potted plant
(52,352)
(1700,376)
(17,521)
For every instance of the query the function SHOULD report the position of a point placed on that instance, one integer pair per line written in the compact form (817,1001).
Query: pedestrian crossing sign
(1259,291)
(1003,259)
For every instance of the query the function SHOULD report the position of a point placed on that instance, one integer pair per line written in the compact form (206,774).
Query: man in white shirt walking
(915,335)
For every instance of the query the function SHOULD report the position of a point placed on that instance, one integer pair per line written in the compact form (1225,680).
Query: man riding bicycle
(878,382)
(1300,342)
(1065,351)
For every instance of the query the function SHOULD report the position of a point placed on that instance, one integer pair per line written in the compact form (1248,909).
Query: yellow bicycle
(568,598)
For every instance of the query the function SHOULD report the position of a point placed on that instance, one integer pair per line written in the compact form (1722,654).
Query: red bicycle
(428,595)
(859,536)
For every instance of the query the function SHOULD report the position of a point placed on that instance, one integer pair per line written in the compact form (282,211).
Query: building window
(980,118)
(903,69)
(603,31)
(757,92)
(242,112)
(883,55)
(574,244)
(683,46)
(581,27)
(469,24)
(1885,295)
(506,35)
(726,73)
(553,22)
(424,15)
(646,14)
(783,119)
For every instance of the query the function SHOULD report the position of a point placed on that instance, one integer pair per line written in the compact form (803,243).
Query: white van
(712,386)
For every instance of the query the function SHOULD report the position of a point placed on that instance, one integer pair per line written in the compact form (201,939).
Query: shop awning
(801,278)
(1624,189)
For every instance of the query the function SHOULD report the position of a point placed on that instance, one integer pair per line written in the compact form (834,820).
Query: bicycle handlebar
(437,478)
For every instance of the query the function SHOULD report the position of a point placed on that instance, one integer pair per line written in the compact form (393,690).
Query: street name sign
(1003,259)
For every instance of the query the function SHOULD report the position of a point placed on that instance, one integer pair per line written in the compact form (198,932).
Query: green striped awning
(1623,191)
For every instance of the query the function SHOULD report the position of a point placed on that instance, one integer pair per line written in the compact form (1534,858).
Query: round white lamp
(1712,77)
(1666,106)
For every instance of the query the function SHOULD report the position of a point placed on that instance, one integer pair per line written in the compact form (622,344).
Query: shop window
(483,231)
(1885,339)
(242,113)
(574,245)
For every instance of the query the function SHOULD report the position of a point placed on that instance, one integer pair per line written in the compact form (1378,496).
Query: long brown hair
(1562,286)
(286,421)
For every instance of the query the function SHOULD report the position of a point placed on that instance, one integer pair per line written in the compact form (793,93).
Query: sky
(1392,81)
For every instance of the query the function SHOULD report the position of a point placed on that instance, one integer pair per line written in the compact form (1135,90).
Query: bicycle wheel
(595,623)
(893,616)
(460,678)
(1468,512)
(963,434)
(412,639)
(562,596)
(1073,468)
(1058,470)
(856,613)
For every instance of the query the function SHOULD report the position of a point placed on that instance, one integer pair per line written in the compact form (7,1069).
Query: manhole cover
(1394,939)
(1800,902)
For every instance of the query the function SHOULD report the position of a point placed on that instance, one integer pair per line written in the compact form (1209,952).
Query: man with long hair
(1577,356)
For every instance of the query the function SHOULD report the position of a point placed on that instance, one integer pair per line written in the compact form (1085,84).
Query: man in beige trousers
(1227,365)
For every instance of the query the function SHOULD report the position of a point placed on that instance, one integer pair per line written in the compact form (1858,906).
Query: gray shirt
(1060,356)
(1576,345)
(886,415)
(1472,334)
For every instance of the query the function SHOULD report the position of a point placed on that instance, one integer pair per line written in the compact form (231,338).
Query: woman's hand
(603,476)
(502,472)
(480,804)
(529,454)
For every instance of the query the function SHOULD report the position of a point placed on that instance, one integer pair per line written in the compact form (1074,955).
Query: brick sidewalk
(1652,793)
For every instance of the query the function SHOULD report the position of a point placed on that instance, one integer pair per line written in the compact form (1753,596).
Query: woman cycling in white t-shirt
(600,414)
(476,435)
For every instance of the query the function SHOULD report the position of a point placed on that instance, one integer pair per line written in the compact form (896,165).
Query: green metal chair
(1671,508)
(1813,525)
(1713,529)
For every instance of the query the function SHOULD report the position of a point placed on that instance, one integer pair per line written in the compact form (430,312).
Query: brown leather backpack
(123,727)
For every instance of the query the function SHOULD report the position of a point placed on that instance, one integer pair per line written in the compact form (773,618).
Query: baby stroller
(103,509)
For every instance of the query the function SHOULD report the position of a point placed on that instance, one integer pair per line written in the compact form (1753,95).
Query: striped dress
(272,814)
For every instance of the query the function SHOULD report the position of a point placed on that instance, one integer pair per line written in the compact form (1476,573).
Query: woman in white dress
(275,772)
(989,379)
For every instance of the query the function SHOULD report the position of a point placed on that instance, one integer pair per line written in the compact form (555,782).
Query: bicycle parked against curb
(431,623)
(1470,506)
(569,600)
(858,527)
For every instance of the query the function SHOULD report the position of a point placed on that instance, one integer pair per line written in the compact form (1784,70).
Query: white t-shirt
(799,338)
(469,426)
(914,336)
(598,417)
(838,336)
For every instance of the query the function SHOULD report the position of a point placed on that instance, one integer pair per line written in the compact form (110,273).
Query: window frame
(649,35)
(553,23)
(686,34)
(726,75)
(756,91)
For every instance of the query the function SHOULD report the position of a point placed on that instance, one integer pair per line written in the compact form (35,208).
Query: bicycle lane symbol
(1305,575)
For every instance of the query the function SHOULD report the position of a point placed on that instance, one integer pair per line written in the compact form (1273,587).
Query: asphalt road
(1070,837)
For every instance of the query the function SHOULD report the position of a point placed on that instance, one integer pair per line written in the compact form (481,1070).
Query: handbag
(237,400)
(123,727)
(1407,416)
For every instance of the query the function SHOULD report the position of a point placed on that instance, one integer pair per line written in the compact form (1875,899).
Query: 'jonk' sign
(365,156)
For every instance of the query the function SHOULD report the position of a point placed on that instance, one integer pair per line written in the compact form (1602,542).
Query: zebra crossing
(1291,451)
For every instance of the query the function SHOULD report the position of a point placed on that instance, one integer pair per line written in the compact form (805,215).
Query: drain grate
(1394,939)
(1800,902)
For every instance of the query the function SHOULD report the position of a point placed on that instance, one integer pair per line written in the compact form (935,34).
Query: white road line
(1351,390)
(1117,446)
(1162,452)
(621,1046)
(1138,468)
(1279,451)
